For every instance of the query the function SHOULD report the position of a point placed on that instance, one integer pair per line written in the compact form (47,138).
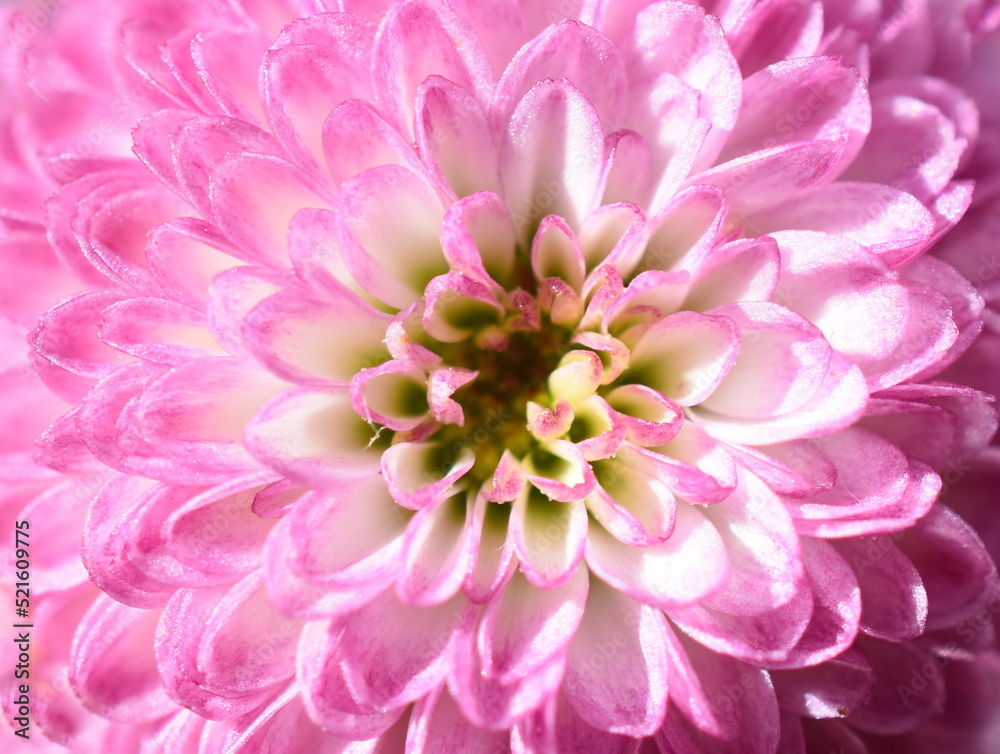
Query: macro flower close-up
(536,376)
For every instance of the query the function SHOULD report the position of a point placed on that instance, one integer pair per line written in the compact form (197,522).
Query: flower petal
(782,363)
(890,222)
(218,532)
(707,713)
(184,255)
(566,50)
(325,692)
(878,489)
(744,270)
(318,62)
(912,146)
(393,653)
(454,137)
(181,627)
(551,156)
(416,39)
(347,536)
(685,356)
(616,666)
(684,569)
(438,551)
(200,144)
(254,198)
(839,401)
(438,725)
(308,339)
(801,100)
(157,330)
(762,547)
(524,627)
(486,702)
(683,40)
(113,669)
(384,211)
(758,181)
(954,566)
(227,62)
(828,689)
(247,645)
(843,289)
(893,598)
(191,420)
(357,138)
(836,607)
(478,238)
(633,503)
(548,537)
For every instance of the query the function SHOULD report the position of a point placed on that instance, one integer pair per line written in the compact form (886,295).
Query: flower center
(495,404)
(508,390)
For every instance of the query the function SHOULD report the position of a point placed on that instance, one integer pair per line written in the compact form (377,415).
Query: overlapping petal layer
(542,377)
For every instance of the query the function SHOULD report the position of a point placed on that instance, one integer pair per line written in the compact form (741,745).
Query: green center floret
(495,403)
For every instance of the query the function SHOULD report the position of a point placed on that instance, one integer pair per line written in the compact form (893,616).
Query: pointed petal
(232,295)
(566,50)
(551,156)
(247,645)
(453,136)
(493,558)
(228,62)
(697,467)
(184,256)
(318,63)
(417,39)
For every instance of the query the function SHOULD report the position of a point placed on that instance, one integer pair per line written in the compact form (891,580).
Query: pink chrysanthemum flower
(473,378)
(51,502)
